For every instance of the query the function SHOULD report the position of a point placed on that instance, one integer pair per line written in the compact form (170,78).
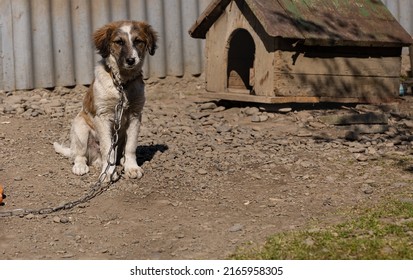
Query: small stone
(197,116)
(317,125)
(19,110)
(250,111)
(367,189)
(55,103)
(255,118)
(224,128)
(263,118)
(64,220)
(361,157)
(35,114)
(202,171)
(30,216)
(357,150)
(180,235)
(14,99)
(371,151)
(18,178)
(284,110)
(236,227)
(56,219)
(208,106)
(408,123)
(219,109)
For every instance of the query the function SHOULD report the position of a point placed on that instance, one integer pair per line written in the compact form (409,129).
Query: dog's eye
(138,41)
(119,42)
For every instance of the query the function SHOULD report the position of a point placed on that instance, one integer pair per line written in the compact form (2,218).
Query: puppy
(122,45)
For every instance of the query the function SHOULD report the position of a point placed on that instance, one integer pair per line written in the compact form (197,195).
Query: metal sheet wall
(47,43)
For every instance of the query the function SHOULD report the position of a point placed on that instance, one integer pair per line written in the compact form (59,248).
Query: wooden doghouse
(276,51)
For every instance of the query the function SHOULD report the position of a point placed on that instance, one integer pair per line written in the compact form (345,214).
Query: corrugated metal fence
(47,43)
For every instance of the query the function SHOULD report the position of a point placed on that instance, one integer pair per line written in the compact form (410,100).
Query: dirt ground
(218,175)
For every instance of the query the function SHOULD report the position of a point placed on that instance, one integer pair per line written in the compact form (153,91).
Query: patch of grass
(384,232)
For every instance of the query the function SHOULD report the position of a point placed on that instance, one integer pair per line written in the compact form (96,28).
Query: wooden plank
(260,99)
(216,61)
(239,90)
(336,64)
(379,89)
(244,97)
(411,60)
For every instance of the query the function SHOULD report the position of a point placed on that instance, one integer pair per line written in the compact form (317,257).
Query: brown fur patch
(88,101)
(102,38)
(87,119)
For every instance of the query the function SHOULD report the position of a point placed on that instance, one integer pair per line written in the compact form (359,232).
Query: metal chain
(99,187)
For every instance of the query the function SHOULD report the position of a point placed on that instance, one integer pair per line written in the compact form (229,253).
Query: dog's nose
(130,61)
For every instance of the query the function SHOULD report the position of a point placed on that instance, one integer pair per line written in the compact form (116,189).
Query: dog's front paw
(133,172)
(80,169)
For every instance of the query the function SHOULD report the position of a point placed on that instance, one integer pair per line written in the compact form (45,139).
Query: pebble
(224,128)
(236,228)
(367,189)
(208,106)
(188,148)
(180,235)
(357,150)
(197,116)
(250,111)
(219,109)
(361,157)
(263,118)
(202,171)
(30,216)
(255,118)
(285,110)
(64,220)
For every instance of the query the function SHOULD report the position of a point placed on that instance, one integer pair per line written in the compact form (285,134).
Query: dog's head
(126,42)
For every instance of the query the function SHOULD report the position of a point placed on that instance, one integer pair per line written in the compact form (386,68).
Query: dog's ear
(101,38)
(152,39)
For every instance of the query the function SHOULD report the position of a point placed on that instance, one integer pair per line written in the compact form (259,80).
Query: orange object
(1,194)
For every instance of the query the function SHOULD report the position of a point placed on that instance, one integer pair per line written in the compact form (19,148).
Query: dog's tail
(65,151)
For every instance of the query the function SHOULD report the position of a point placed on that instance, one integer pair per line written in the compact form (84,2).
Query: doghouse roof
(317,22)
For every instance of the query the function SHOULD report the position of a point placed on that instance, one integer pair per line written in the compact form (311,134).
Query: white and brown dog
(123,45)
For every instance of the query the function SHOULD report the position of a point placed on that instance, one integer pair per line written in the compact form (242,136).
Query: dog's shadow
(147,152)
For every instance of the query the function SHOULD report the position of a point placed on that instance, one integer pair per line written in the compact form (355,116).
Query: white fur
(128,29)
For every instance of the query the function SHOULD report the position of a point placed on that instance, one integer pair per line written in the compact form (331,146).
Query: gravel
(216,176)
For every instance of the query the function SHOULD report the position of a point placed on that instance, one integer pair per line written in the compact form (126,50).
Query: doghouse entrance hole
(241,56)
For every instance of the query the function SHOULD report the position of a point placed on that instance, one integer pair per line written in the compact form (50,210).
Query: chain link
(100,186)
